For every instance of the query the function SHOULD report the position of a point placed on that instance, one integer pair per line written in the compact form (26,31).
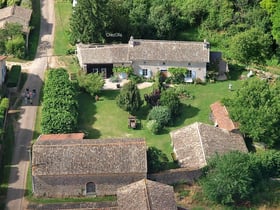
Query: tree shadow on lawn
(109,94)
(86,117)
(187,111)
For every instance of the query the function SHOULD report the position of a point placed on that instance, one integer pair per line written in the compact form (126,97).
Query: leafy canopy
(256,107)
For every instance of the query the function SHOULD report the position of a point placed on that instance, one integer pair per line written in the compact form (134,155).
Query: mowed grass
(104,119)
(63,11)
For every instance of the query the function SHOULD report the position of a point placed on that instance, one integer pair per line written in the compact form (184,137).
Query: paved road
(24,128)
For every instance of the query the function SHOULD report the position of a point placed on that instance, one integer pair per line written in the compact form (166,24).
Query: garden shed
(146,195)
(66,165)
(194,144)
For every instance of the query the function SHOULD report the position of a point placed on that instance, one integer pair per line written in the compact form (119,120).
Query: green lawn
(63,11)
(104,119)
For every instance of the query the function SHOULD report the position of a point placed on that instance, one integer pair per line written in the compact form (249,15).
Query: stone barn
(65,165)
(146,195)
(194,144)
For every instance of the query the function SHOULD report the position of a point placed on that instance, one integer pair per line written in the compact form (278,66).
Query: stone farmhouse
(146,195)
(3,69)
(146,57)
(66,165)
(16,14)
(194,144)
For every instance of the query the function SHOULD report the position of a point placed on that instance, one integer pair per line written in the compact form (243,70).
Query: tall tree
(88,21)
(251,46)
(256,106)
(129,98)
(164,19)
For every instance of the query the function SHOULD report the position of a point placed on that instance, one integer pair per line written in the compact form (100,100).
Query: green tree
(88,21)
(157,160)
(256,107)
(129,98)
(229,179)
(138,18)
(170,99)
(16,46)
(275,18)
(250,47)
(164,19)
(178,74)
(92,83)
(161,114)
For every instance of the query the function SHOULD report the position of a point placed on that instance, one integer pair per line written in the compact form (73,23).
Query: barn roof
(71,156)
(146,195)
(140,49)
(16,14)
(196,143)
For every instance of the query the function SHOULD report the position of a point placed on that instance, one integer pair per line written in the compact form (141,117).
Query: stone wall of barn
(72,186)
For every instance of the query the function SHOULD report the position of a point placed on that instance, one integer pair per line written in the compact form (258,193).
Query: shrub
(135,78)
(170,99)
(161,114)
(4,103)
(153,126)
(178,75)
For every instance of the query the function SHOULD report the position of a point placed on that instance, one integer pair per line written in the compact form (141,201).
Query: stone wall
(176,175)
(69,186)
(112,205)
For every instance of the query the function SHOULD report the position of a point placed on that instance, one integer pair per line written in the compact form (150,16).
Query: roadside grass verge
(63,11)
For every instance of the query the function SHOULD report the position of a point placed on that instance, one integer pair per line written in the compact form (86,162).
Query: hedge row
(60,105)
(13,76)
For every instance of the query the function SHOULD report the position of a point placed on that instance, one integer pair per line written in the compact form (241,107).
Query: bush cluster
(60,106)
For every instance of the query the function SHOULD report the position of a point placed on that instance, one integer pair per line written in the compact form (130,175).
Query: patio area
(117,85)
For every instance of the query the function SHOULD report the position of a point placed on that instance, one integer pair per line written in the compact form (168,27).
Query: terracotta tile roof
(146,195)
(16,14)
(87,156)
(220,116)
(66,136)
(154,50)
(2,57)
(193,145)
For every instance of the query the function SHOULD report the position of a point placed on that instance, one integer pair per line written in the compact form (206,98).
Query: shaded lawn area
(63,11)
(104,119)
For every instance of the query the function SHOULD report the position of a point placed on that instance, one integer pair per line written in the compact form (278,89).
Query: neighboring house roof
(194,144)
(73,155)
(220,116)
(16,14)
(140,49)
(146,195)
(2,57)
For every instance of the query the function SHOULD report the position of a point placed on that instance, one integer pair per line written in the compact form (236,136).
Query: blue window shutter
(193,74)
(149,74)
(141,72)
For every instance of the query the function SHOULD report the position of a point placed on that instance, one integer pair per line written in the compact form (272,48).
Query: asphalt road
(25,125)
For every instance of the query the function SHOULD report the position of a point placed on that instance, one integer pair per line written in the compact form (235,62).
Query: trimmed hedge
(60,105)
(13,76)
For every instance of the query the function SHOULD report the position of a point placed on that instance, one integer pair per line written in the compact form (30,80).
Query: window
(189,74)
(145,72)
(90,188)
